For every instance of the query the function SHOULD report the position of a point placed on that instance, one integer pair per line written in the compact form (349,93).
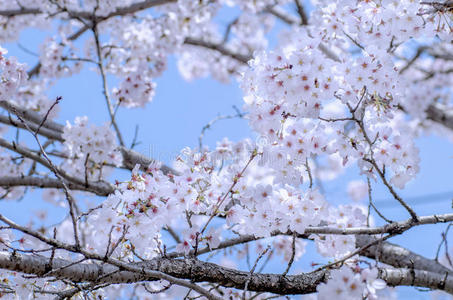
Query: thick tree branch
(420,278)
(31,116)
(131,9)
(218,47)
(99,189)
(20,12)
(399,257)
(131,158)
(388,253)
(282,15)
(193,269)
(441,114)
(42,131)
(199,271)
(301,12)
(120,11)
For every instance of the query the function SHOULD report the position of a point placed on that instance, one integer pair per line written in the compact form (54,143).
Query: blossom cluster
(142,47)
(13,25)
(32,95)
(10,166)
(289,93)
(137,51)
(12,74)
(15,87)
(90,148)
(54,60)
(346,283)
(379,22)
(203,186)
(135,90)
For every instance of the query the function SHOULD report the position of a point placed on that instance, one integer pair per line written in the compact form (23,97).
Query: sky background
(174,119)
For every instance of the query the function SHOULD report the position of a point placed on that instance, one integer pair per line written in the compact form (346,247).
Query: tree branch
(120,11)
(399,257)
(193,269)
(42,131)
(420,278)
(97,188)
(219,48)
(441,114)
(101,187)
(105,89)
(199,271)
(31,116)
(130,157)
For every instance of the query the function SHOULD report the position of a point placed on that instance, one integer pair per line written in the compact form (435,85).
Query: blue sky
(174,119)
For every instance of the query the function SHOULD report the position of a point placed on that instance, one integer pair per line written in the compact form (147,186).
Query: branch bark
(120,11)
(420,278)
(219,48)
(193,269)
(399,257)
(99,189)
(199,271)
(31,116)
(441,114)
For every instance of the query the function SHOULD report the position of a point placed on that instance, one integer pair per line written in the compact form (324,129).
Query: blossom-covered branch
(347,86)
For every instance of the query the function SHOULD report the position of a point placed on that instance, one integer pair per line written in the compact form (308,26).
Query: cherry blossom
(90,148)
(346,86)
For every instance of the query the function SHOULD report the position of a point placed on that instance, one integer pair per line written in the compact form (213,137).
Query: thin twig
(238,114)
(310,177)
(371,204)
(69,198)
(104,85)
(235,181)
(293,254)
(380,172)
(134,140)
(301,12)
(253,270)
